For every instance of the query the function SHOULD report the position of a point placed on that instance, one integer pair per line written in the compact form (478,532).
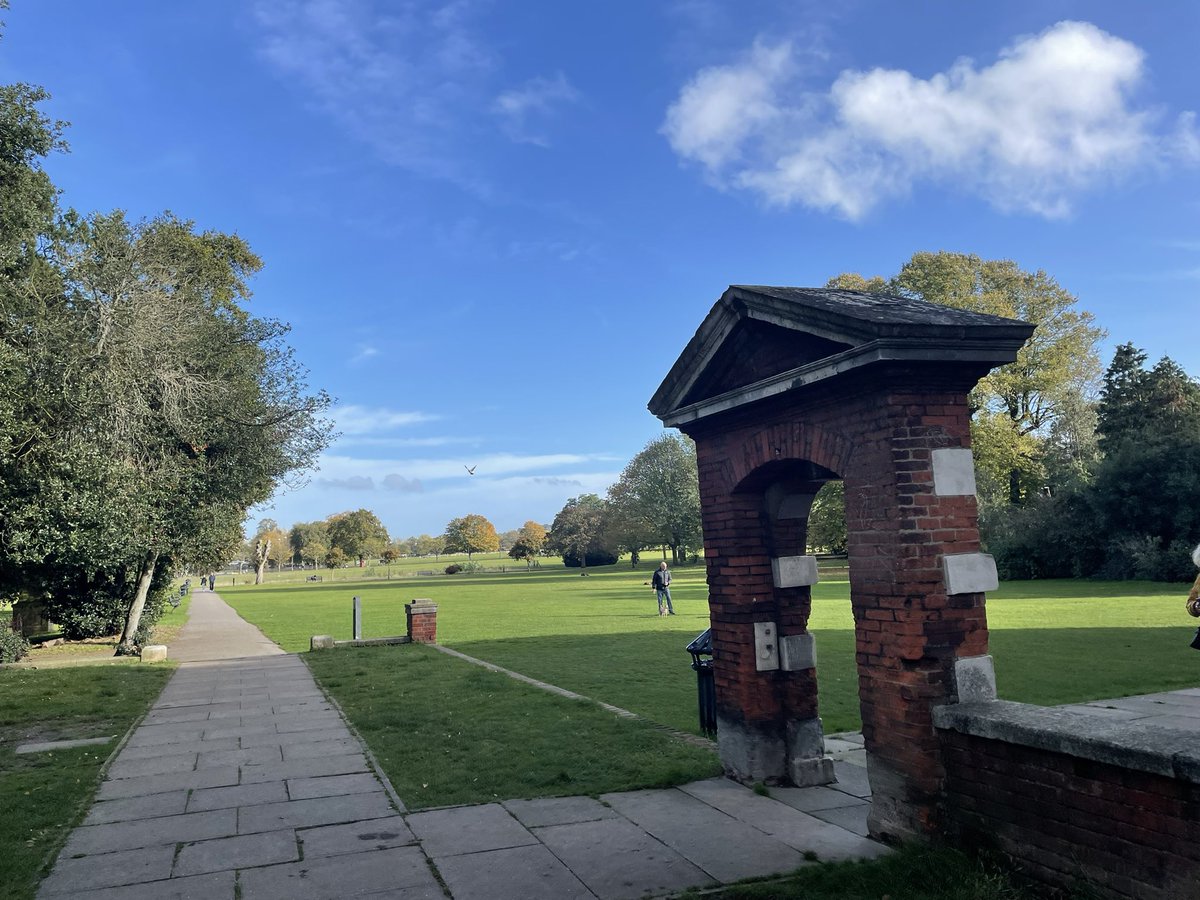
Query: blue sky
(494,226)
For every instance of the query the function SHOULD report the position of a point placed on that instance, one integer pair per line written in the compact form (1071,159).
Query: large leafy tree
(358,534)
(656,501)
(142,409)
(471,534)
(579,531)
(1017,406)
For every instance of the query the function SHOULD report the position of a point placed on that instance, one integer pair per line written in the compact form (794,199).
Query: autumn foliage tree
(471,534)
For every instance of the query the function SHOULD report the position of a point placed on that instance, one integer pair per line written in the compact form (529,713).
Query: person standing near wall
(661,583)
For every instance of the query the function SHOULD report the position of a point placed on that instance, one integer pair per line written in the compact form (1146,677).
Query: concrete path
(244,781)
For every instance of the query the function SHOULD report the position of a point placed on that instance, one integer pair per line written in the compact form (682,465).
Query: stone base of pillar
(807,764)
(751,753)
(896,816)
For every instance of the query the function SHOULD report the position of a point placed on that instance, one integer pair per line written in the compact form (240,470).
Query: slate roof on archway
(760,341)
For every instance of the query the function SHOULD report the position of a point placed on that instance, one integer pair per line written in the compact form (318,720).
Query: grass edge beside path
(447,732)
(45,795)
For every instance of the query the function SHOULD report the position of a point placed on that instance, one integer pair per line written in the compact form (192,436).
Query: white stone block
(797,652)
(969,573)
(794,571)
(953,473)
(766,647)
(321,642)
(974,679)
(154,653)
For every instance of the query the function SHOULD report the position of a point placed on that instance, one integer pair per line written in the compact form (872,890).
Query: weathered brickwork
(1064,819)
(878,434)
(422,621)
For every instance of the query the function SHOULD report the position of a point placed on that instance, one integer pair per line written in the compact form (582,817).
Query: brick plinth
(421,616)
(877,431)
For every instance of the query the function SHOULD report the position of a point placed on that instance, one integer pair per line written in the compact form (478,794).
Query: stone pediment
(758,341)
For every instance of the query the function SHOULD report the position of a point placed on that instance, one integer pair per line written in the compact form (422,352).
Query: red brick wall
(1063,819)
(422,623)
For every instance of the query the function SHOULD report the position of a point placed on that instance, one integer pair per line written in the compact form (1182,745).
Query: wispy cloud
(404,485)
(359,420)
(402,78)
(525,110)
(493,466)
(353,483)
(365,352)
(1052,117)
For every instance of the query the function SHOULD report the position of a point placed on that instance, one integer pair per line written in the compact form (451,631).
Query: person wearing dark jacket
(661,583)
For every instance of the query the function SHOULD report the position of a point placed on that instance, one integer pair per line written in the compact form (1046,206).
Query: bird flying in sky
(471,469)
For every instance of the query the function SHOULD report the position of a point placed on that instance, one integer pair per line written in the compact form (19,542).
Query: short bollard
(357,619)
(154,653)
(321,642)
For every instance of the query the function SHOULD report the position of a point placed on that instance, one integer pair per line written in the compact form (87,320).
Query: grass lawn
(913,873)
(1053,641)
(43,795)
(448,732)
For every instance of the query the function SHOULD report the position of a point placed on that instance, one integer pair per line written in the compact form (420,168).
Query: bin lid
(702,643)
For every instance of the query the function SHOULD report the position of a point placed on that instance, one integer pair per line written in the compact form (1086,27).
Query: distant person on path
(662,588)
(212,582)
(1193,600)
(204,582)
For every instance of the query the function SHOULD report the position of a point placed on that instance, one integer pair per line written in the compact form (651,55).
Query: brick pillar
(909,629)
(422,621)
(767,724)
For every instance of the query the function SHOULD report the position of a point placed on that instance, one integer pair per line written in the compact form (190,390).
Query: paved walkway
(244,781)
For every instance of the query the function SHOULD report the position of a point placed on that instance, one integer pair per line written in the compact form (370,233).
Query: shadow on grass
(650,673)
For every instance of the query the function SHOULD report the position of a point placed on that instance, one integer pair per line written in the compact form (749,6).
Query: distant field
(1053,641)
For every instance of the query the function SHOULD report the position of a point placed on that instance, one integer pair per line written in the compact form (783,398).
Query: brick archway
(783,389)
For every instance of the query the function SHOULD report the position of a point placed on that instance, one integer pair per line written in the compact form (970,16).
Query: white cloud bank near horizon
(1054,116)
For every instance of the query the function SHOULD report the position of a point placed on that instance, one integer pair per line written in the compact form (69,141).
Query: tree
(1016,407)
(827,518)
(529,543)
(143,411)
(579,531)
(358,534)
(471,534)
(427,545)
(656,500)
(304,536)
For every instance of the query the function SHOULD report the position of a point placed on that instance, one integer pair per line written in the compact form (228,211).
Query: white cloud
(365,352)
(337,466)
(357,420)
(1053,116)
(524,109)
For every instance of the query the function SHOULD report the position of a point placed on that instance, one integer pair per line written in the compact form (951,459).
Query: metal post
(357,619)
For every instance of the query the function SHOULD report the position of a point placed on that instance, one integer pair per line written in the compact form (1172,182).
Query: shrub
(594,558)
(12,645)
(453,569)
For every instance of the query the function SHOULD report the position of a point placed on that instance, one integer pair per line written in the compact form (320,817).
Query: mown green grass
(1053,641)
(448,732)
(913,873)
(401,568)
(43,795)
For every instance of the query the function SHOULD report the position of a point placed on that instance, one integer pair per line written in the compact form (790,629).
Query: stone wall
(1070,797)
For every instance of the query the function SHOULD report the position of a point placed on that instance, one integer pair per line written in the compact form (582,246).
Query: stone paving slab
(401,871)
(136,808)
(318,811)
(347,764)
(558,811)
(94,839)
(162,764)
(44,746)
(851,779)
(146,751)
(468,829)
(616,860)
(798,830)
(107,870)
(218,886)
(242,851)
(331,786)
(851,818)
(355,837)
(810,799)
(237,795)
(158,784)
(726,849)
(515,873)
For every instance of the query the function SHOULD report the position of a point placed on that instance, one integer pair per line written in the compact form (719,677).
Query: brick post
(421,616)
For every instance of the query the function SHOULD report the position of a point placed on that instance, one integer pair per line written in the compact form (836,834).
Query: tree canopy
(143,410)
(656,501)
(471,534)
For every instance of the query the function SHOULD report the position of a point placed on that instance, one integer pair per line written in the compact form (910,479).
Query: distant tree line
(143,409)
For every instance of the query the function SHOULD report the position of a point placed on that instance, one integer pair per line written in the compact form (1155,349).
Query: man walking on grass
(662,588)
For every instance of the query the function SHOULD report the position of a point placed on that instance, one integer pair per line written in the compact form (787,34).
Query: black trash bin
(706,689)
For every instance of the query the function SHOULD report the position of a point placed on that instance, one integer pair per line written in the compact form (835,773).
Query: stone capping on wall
(1145,748)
